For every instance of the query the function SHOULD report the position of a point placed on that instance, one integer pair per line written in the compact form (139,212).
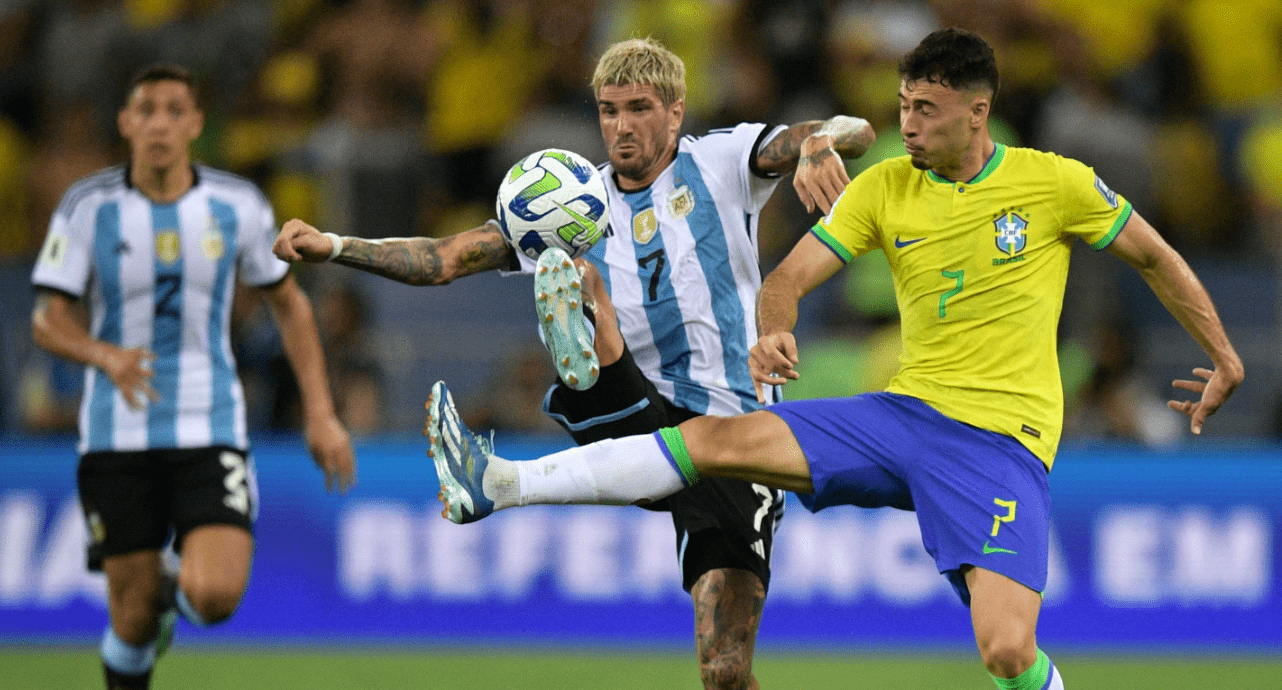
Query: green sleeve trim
(1127,210)
(1032,679)
(677,446)
(831,242)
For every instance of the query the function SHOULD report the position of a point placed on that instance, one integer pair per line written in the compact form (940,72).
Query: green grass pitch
(393,669)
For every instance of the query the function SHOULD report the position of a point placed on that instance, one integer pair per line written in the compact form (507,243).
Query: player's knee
(725,672)
(213,602)
(135,625)
(713,442)
(1008,656)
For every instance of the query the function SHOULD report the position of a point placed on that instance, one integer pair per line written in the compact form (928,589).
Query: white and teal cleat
(460,456)
(558,298)
(170,565)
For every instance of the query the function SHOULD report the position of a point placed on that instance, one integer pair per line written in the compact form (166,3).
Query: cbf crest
(1011,236)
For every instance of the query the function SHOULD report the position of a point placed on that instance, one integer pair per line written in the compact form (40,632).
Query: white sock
(611,472)
(1057,682)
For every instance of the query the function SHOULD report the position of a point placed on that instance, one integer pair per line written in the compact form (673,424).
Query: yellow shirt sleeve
(1091,210)
(851,228)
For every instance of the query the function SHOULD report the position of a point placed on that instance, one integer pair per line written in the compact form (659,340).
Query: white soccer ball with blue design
(553,198)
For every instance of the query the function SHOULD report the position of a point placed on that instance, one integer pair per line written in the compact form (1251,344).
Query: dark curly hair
(161,71)
(955,58)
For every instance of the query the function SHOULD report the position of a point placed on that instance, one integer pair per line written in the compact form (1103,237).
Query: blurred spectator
(1262,173)
(86,55)
(354,371)
(1118,403)
(491,62)
(221,41)
(373,56)
(512,400)
(16,236)
(49,394)
(1237,51)
(697,30)
(72,145)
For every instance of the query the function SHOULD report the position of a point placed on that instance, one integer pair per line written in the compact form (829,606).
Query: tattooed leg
(727,612)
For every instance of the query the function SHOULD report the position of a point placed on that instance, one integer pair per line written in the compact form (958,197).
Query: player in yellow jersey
(978,237)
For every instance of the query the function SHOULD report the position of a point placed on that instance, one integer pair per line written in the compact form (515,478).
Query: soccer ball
(553,198)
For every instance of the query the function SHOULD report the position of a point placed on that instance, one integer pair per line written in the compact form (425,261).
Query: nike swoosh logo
(996,549)
(590,229)
(900,244)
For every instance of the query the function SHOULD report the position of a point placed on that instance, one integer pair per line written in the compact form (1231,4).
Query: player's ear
(122,123)
(979,108)
(678,111)
(198,123)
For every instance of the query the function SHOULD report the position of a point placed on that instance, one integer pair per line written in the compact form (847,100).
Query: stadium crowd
(398,117)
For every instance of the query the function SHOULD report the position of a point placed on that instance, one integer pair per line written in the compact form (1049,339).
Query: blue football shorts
(981,497)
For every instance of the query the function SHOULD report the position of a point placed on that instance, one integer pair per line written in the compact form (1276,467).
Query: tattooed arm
(412,260)
(816,150)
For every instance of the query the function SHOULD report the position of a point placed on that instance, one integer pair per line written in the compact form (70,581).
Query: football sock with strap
(636,469)
(125,666)
(1042,675)
(188,610)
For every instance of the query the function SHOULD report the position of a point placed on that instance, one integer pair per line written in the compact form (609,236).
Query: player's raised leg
(1004,614)
(215,571)
(757,447)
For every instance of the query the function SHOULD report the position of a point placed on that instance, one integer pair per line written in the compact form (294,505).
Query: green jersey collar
(999,152)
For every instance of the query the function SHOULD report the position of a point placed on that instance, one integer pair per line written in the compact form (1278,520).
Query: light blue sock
(124,658)
(188,611)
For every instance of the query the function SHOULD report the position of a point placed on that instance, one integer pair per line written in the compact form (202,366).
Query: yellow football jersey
(979,270)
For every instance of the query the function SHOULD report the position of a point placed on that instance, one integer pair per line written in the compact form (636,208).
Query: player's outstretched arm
(412,260)
(772,358)
(327,440)
(1174,283)
(817,151)
(58,325)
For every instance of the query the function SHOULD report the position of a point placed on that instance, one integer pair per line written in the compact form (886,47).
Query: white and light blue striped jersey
(680,260)
(161,277)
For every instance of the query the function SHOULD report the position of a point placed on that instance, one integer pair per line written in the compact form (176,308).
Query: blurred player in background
(978,236)
(670,290)
(154,247)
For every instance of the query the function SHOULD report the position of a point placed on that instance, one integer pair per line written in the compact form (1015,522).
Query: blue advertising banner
(1167,550)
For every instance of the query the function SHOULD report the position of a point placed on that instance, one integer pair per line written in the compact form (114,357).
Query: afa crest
(168,248)
(1010,228)
(681,202)
(211,240)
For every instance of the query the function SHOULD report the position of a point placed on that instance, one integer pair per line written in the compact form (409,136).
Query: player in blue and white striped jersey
(674,289)
(153,250)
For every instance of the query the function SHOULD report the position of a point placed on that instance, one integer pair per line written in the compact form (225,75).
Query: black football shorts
(133,500)
(720,523)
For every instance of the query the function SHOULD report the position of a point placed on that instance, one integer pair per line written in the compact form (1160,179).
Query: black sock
(120,681)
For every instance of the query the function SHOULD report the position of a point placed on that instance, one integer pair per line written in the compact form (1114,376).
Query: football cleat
(558,299)
(170,566)
(460,456)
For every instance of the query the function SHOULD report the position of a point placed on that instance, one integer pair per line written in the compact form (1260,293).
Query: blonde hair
(642,61)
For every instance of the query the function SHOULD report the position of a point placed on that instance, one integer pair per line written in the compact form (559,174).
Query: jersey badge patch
(167,246)
(211,242)
(644,225)
(1109,195)
(681,202)
(1010,228)
(55,250)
